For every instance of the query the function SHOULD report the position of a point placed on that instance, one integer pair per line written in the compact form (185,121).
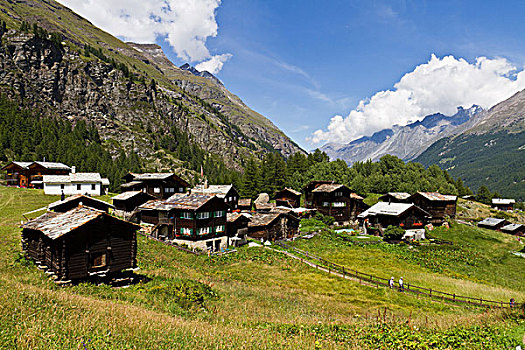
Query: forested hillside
(58,65)
(388,174)
(28,137)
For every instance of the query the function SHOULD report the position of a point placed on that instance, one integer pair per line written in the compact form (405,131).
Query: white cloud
(214,64)
(440,85)
(185,24)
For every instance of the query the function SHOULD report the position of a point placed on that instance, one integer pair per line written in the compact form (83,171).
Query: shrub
(393,233)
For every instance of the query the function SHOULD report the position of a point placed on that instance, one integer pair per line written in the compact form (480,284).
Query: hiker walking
(391,283)
(401,286)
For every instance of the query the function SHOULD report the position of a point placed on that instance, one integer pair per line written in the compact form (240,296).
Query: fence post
(430,292)
(454,296)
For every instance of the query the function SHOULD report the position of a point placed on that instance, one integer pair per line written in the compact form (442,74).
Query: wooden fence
(408,288)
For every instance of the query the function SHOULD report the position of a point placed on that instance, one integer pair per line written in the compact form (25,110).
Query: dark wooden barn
(336,200)
(159,185)
(30,174)
(272,226)
(237,228)
(438,205)
(80,243)
(128,201)
(228,193)
(196,220)
(72,202)
(504,204)
(493,223)
(395,197)
(308,195)
(245,204)
(288,197)
(514,229)
(383,214)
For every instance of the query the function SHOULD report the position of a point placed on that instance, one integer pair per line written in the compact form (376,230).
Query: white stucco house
(75,183)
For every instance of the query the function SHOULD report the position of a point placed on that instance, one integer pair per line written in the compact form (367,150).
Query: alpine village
(145,206)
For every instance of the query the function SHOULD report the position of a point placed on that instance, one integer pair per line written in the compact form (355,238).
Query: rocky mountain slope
(132,93)
(406,142)
(490,153)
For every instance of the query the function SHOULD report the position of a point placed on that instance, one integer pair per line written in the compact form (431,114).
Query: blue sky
(300,63)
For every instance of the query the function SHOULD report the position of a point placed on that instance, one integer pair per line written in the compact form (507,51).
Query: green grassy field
(257,298)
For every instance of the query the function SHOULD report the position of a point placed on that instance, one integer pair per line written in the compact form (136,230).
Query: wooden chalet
(383,214)
(227,192)
(159,185)
(72,202)
(336,200)
(198,221)
(504,204)
(438,205)
(493,223)
(395,197)
(237,228)
(308,195)
(288,197)
(30,174)
(245,204)
(272,226)
(80,243)
(514,229)
(127,202)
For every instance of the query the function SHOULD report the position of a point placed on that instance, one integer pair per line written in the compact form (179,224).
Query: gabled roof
(78,197)
(436,196)
(23,165)
(73,177)
(105,182)
(131,184)
(511,227)
(491,222)
(232,217)
(218,190)
(397,195)
(130,194)
(155,176)
(56,225)
(503,201)
(52,165)
(356,196)
(245,202)
(389,209)
(264,206)
(178,201)
(291,190)
(263,219)
(327,188)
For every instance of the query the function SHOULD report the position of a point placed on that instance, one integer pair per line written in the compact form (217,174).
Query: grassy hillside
(258,298)
(494,159)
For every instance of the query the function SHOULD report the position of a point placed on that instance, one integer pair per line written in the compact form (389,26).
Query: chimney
(73,169)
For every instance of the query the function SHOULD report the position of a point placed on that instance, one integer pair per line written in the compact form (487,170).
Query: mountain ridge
(405,142)
(134,98)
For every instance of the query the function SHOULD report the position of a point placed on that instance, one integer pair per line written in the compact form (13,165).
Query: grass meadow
(260,299)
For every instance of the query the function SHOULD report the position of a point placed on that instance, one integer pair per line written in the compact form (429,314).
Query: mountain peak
(205,74)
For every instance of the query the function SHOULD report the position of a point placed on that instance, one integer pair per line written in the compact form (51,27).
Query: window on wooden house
(156,190)
(203,215)
(186,231)
(79,187)
(204,231)
(339,194)
(219,228)
(326,204)
(93,187)
(98,260)
(339,204)
(186,215)
(181,189)
(219,213)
